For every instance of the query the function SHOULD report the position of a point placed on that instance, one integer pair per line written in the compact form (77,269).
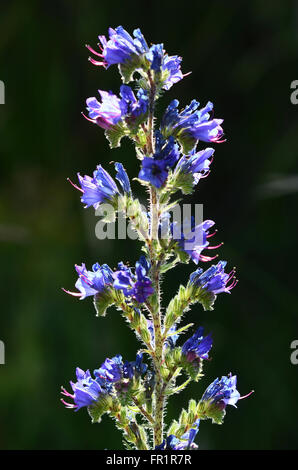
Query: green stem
(143,411)
(155,272)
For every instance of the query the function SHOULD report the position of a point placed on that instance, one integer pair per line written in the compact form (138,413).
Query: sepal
(206,410)
(115,134)
(98,408)
(102,301)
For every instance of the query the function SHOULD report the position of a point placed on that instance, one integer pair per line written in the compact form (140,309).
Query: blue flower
(214,279)
(137,286)
(97,189)
(191,121)
(92,282)
(101,187)
(112,109)
(119,48)
(166,149)
(196,163)
(155,169)
(122,177)
(107,113)
(115,370)
(193,239)
(184,443)
(85,391)
(111,370)
(222,392)
(134,107)
(168,66)
(197,347)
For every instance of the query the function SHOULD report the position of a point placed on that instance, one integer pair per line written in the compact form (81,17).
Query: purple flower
(168,66)
(137,286)
(197,347)
(192,122)
(112,109)
(111,370)
(92,282)
(101,187)
(115,370)
(85,391)
(155,169)
(196,163)
(214,279)
(119,48)
(134,107)
(193,239)
(97,189)
(107,113)
(222,392)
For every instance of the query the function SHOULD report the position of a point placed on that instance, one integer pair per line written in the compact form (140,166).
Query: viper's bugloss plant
(135,393)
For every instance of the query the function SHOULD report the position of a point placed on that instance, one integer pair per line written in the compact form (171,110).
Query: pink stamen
(212,234)
(96,62)
(231,286)
(74,185)
(248,395)
(214,246)
(186,74)
(207,258)
(66,393)
(93,51)
(74,294)
(204,175)
(68,405)
(88,119)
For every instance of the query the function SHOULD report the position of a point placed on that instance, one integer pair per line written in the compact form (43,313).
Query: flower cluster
(101,187)
(155,169)
(137,286)
(170,161)
(92,282)
(191,123)
(112,109)
(214,279)
(112,373)
(197,347)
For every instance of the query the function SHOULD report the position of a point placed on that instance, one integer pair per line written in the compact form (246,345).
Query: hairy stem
(143,411)
(155,273)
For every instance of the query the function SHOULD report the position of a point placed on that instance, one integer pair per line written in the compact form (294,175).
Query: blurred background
(243,57)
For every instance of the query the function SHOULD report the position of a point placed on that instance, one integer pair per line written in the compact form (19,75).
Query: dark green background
(243,57)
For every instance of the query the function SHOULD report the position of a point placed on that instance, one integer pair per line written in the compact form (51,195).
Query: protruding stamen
(74,185)
(248,395)
(93,51)
(212,234)
(96,62)
(88,119)
(207,258)
(214,246)
(74,294)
